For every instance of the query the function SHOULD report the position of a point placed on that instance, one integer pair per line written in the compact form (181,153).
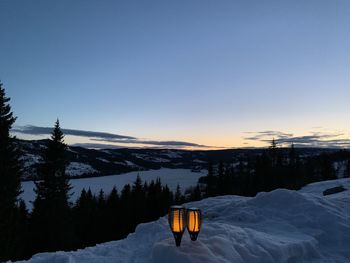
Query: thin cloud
(156,143)
(35,130)
(97,145)
(106,139)
(260,136)
(315,139)
(114,146)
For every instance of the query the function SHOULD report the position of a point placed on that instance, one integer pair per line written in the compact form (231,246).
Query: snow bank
(318,188)
(279,226)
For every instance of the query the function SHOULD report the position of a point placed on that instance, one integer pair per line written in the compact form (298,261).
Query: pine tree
(327,168)
(178,195)
(138,202)
(84,217)
(222,182)
(113,215)
(51,217)
(10,173)
(211,181)
(273,144)
(292,156)
(166,200)
(126,210)
(100,219)
(101,200)
(196,194)
(22,231)
(295,179)
(273,153)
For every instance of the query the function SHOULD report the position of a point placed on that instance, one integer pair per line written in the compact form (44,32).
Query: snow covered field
(171,177)
(279,226)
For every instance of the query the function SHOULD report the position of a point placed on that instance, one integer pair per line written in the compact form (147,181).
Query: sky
(182,74)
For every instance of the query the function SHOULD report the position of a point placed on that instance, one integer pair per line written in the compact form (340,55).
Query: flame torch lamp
(194,222)
(177,222)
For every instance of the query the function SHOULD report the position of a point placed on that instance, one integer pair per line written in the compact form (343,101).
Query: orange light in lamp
(177,222)
(194,222)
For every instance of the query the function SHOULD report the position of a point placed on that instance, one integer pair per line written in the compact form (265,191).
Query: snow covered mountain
(281,226)
(85,162)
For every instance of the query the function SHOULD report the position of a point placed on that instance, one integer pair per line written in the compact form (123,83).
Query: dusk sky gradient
(207,72)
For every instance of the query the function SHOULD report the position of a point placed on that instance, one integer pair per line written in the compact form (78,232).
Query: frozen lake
(171,177)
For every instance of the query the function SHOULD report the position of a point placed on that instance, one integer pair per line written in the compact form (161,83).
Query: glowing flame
(193,223)
(177,222)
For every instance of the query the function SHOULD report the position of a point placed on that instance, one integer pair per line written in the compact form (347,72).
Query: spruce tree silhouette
(196,194)
(51,216)
(113,215)
(211,182)
(10,174)
(85,217)
(166,200)
(178,195)
(126,210)
(327,168)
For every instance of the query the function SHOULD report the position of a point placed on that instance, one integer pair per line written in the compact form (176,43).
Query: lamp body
(194,222)
(177,222)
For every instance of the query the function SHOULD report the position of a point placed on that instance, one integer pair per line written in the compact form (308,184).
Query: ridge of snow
(150,158)
(171,154)
(102,160)
(129,163)
(198,161)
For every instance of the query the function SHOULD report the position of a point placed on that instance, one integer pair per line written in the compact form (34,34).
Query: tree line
(274,168)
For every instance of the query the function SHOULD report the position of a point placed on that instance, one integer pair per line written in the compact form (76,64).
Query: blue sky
(206,72)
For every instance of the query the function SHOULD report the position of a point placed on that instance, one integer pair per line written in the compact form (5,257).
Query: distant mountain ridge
(84,162)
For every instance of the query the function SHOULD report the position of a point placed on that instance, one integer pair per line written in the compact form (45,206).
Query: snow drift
(279,226)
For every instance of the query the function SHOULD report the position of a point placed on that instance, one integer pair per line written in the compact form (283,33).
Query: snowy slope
(75,169)
(279,226)
(85,162)
(184,177)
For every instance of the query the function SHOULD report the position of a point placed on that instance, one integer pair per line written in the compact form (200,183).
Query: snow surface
(340,168)
(318,188)
(103,160)
(198,161)
(129,163)
(150,158)
(184,177)
(171,154)
(30,159)
(77,169)
(281,226)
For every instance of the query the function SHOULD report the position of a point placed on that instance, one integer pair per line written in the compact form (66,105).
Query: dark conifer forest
(57,224)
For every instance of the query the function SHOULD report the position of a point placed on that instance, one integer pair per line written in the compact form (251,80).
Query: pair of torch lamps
(179,218)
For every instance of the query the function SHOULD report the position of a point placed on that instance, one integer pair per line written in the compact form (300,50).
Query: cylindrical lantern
(194,222)
(177,222)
